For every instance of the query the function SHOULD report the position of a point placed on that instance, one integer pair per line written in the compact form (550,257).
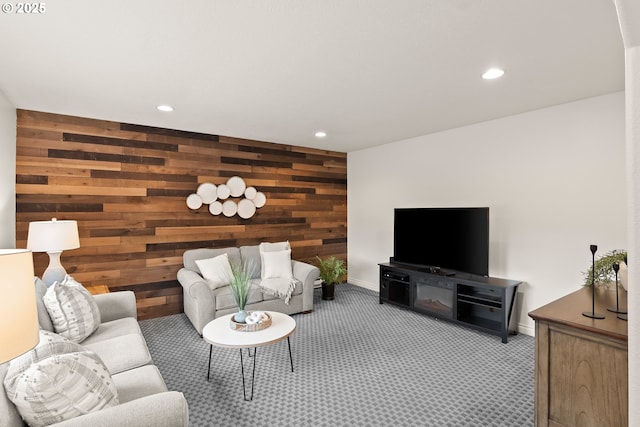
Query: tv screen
(446,238)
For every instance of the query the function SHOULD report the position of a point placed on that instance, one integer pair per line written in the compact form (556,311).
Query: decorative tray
(263,323)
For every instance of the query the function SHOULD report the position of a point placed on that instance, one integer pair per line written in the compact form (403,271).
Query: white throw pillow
(274,247)
(73,311)
(217,270)
(58,380)
(271,247)
(277,265)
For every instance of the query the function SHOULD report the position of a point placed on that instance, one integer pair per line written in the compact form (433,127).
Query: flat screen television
(443,238)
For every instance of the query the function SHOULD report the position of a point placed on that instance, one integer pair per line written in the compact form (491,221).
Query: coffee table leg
(253,373)
(209,365)
(290,357)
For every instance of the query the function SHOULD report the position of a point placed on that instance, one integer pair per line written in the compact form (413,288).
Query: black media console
(483,303)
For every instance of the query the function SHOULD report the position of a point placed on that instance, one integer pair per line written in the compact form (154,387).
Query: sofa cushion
(190,256)
(217,270)
(139,382)
(251,257)
(225,300)
(114,336)
(113,329)
(121,353)
(74,313)
(58,380)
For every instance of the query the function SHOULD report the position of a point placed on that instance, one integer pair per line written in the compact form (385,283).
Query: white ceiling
(367,72)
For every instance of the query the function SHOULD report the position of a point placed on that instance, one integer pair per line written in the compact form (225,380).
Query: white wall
(628,16)
(7,173)
(632,55)
(554,180)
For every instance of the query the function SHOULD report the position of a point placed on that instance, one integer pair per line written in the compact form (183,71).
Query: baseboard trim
(364,284)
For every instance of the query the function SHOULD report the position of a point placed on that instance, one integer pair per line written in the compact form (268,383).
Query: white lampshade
(53,236)
(18,312)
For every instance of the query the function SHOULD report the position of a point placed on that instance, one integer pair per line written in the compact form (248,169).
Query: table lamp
(53,237)
(18,312)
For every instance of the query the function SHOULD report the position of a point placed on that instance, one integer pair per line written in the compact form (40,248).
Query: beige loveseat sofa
(142,394)
(203,304)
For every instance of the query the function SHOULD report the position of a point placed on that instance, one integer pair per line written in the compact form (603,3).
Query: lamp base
(55,272)
(617,310)
(623,316)
(593,315)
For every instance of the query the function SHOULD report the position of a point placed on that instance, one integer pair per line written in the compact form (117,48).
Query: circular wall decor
(260,199)
(229,208)
(246,208)
(223,192)
(208,192)
(236,186)
(215,208)
(250,193)
(194,201)
(217,197)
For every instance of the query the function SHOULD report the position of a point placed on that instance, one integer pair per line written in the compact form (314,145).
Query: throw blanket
(280,287)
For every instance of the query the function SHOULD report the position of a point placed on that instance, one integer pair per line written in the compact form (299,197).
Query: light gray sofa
(142,393)
(202,304)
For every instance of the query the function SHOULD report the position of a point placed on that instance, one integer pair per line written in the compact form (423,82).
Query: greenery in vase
(240,284)
(604,273)
(332,269)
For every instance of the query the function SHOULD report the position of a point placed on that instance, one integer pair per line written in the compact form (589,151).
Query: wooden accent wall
(127,185)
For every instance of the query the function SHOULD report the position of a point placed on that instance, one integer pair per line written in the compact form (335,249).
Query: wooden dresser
(581,363)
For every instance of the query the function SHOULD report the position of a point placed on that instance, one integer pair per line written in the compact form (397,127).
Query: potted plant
(240,284)
(332,272)
(603,268)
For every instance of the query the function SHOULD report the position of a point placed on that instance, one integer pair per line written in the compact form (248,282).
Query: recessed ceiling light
(492,73)
(321,134)
(167,108)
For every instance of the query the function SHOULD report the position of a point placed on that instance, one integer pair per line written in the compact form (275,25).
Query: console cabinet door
(581,378)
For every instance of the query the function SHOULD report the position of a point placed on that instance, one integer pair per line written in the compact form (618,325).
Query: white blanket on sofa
(280,287)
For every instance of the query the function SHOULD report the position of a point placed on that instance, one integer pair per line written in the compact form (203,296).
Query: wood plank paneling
(126,186)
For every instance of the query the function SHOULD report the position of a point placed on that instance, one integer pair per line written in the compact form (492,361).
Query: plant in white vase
(240,284)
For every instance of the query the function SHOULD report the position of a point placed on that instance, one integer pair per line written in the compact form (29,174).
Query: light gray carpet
(356,363)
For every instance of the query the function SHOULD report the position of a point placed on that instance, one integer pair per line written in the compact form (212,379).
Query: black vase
(328,290)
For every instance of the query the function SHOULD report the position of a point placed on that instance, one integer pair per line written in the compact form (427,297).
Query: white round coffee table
(219,333)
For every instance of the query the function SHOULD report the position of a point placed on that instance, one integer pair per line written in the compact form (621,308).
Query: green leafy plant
(240,284)
(603,270)
(332,269)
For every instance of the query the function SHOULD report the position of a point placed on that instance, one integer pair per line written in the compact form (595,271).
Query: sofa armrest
(116,305)
(193,283)
(168,409)
(198,300)
(307,274)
